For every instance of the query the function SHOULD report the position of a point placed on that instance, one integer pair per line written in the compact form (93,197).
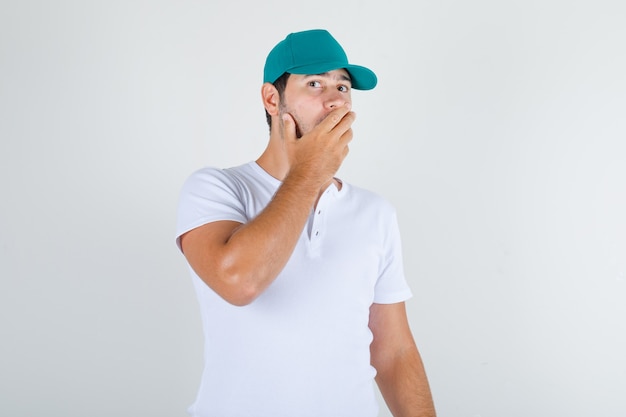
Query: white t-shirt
(302,347)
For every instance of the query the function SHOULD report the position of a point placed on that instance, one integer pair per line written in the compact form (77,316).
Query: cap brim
(362,78)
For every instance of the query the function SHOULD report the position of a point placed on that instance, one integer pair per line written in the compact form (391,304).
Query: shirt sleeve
(391,286)
(208,195)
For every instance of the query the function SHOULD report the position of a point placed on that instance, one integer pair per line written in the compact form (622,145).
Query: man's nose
(335,99)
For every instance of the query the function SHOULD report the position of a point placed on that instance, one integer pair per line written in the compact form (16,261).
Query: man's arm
(239,261)
(400,376)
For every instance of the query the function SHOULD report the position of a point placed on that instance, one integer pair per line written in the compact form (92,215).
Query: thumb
(289,127)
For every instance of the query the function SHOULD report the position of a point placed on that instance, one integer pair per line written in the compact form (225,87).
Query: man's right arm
(239,261)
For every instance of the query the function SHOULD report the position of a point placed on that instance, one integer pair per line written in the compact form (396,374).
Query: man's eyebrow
(343,77)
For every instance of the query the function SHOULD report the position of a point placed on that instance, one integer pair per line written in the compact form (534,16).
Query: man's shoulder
(366,197)
(212,174)
(367,193)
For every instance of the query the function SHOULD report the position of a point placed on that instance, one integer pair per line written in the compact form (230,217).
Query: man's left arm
(400,376)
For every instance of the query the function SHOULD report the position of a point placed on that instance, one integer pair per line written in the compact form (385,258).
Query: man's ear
(271,99)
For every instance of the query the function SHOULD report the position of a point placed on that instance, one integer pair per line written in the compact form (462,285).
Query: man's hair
(280,84)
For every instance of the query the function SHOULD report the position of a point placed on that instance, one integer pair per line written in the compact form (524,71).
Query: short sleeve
(391,286)
(208,195)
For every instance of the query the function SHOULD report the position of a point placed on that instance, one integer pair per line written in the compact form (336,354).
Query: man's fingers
(341,119)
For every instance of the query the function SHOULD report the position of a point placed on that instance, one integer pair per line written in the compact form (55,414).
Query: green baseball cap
(314,52)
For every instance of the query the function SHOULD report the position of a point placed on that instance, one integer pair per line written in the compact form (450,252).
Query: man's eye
(315,84)
(344,88)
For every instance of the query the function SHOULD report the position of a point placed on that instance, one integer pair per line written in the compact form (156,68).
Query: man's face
(309,98)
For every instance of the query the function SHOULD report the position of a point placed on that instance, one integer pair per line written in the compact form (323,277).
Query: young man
(299,275)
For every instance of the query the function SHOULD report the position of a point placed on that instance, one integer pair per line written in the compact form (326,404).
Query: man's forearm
(404,386)
(264,245)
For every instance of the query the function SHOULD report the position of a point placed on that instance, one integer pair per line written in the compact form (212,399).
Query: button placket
(318,218)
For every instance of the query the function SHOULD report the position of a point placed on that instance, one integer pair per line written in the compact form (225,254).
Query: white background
(497,129)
